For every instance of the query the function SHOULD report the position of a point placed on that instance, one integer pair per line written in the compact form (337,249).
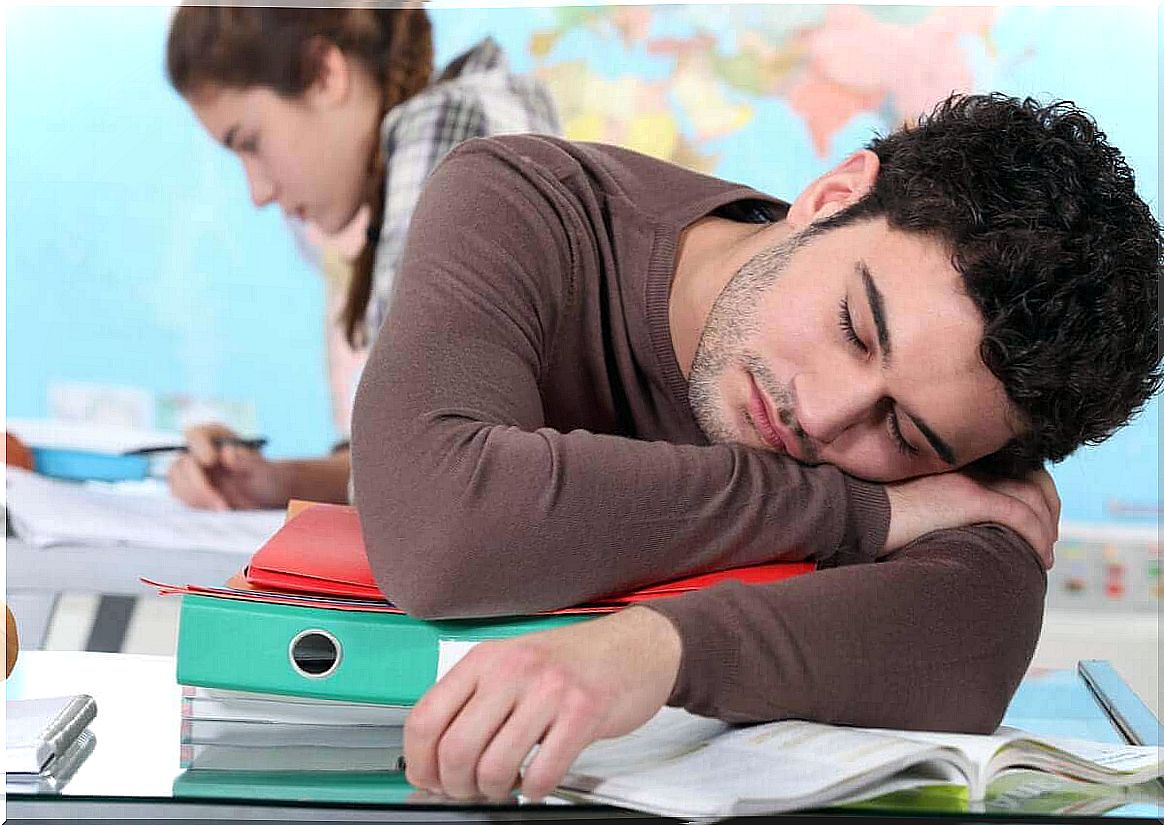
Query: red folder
(320,551)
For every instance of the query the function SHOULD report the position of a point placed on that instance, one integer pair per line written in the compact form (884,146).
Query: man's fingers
(500,764)
(574,728)
(1022,508)
(1051,494)
(460,747)
(1046,485)
(427,723)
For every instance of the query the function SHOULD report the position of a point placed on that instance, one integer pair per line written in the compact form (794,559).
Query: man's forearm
(935,637)
(466,518)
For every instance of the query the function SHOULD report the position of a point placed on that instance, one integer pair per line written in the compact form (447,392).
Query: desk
(133,773)
(38,575)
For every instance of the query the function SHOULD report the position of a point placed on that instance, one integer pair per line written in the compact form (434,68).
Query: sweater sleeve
(471,504)
(934,637)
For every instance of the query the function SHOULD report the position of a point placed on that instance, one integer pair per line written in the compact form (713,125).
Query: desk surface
(71,567)
(133,772)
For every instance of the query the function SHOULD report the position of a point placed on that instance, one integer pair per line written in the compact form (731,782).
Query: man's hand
(1029,506)
(229,477)
(564,688)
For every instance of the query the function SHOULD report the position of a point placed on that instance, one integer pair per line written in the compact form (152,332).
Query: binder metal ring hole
(315,653)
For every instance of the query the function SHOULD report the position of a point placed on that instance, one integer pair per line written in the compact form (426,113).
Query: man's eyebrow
(877,307)
(228,138)
(944,451)
(877,310)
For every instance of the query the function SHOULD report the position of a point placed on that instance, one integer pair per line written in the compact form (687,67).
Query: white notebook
(39,729)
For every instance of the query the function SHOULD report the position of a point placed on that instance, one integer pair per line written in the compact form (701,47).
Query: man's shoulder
(655,187)
(555,155)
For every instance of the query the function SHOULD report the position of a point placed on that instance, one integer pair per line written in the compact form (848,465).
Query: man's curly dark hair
(1062,258)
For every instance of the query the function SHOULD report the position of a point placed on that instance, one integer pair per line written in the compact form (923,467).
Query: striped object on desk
(152,626)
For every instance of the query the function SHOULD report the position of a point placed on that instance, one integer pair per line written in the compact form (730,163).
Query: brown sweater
(522,441)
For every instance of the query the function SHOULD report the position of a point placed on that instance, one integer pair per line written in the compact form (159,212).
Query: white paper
(78,435)
(216,703)
(449,652)
(46,512)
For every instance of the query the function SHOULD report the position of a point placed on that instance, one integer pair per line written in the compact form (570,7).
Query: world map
(705,73)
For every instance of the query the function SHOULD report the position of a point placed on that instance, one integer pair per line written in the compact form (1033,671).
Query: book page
(763,768)
(46,512)
(1007,747)
(1026,791)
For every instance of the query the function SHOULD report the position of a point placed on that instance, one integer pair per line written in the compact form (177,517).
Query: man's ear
(841,186)
(333,80)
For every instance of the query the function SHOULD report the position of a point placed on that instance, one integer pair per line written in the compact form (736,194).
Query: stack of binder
(300,663)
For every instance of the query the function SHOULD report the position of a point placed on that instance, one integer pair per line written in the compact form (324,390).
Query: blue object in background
(81,465)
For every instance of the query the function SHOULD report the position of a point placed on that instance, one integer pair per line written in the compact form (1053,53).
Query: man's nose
(829,402)
(261,187)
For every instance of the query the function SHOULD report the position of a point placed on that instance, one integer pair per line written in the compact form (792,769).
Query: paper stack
(233,730)
(48,512)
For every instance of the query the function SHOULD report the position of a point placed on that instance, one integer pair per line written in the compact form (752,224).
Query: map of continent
(705,72)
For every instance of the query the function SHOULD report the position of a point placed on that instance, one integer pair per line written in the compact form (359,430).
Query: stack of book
(299,663)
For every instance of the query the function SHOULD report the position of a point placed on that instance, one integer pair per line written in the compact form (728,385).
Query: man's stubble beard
(730,325)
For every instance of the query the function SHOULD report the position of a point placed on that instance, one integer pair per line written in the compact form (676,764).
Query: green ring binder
(312,648)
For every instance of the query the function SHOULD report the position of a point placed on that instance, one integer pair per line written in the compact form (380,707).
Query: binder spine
(354,656)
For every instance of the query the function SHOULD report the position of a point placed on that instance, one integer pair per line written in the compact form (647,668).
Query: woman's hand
(217,476)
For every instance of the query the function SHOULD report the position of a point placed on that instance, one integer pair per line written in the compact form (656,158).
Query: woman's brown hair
(240,47)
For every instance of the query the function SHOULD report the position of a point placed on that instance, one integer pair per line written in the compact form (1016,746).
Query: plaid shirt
(475,96)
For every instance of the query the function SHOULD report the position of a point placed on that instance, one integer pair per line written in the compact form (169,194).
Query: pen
(221,441)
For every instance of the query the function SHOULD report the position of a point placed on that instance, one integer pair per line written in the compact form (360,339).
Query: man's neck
(710,252)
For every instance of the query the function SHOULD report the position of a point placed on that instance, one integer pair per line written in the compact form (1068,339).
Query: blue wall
(134,255)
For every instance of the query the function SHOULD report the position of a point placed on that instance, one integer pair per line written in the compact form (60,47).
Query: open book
(685,766)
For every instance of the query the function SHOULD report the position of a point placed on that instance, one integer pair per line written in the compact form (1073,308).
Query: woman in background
(335,115)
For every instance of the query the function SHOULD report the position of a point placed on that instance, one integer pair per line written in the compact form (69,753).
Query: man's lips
(762,420)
